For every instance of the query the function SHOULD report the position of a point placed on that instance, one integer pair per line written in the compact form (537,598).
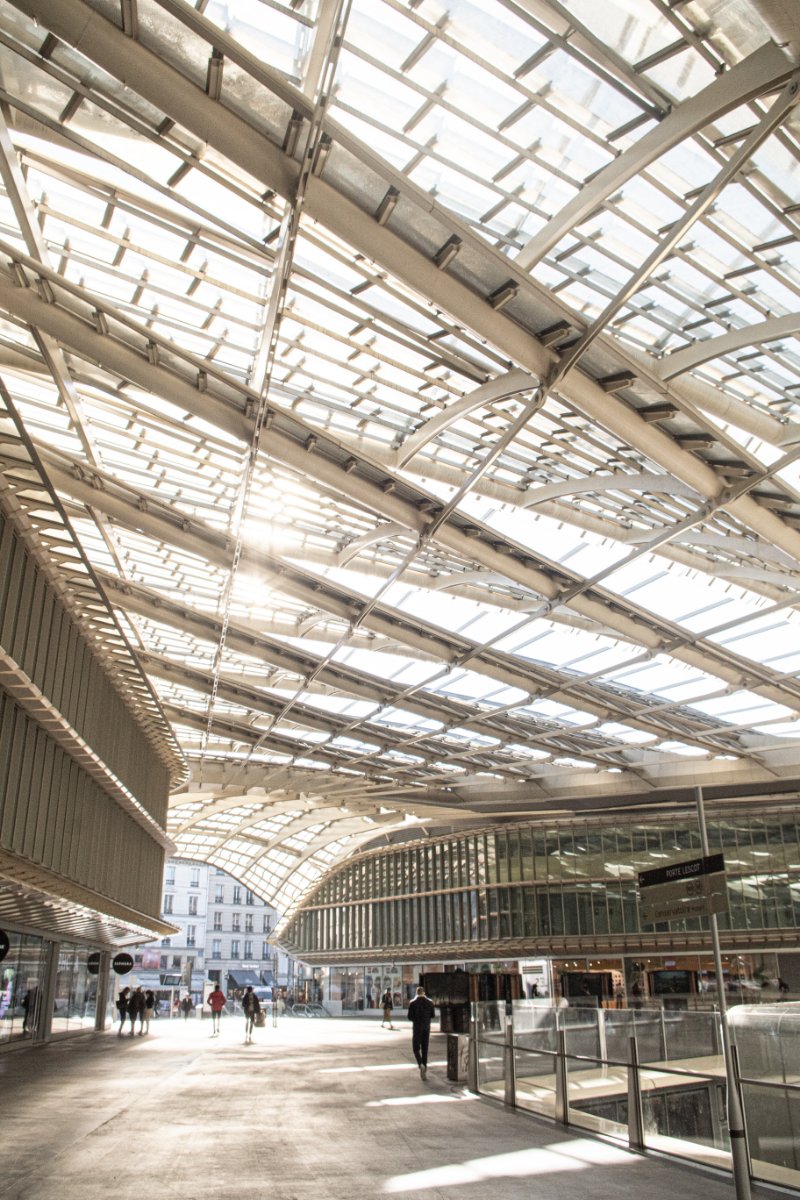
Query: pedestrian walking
(216,1002)
(251,1007)
(387,1004)
(187,1006)
(122,1008)
(149,1008)
(136,1010)
(420,1013)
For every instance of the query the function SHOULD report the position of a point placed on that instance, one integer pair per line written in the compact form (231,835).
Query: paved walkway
(312,1110)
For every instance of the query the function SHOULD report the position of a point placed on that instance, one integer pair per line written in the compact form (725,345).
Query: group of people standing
(138,1004)
(135,1005)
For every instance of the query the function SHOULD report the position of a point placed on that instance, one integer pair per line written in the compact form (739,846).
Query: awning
(267,979)
(243,979)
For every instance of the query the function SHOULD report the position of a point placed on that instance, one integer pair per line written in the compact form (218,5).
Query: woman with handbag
(252,1010)
(387,1003)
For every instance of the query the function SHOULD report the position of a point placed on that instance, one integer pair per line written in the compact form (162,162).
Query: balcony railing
(653,1077)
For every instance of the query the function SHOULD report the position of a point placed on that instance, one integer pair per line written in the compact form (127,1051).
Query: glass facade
(75,1001)
(22,977)
(507,887)
(24,982)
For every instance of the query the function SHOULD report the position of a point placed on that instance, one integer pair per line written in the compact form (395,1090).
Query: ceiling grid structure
(479,496)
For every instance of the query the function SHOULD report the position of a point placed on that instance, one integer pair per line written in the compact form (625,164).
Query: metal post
(472,1068)
(635,1111)
(602,1043)
(562,1081)
(739,1156)
(47,994)
(103,981)
(509,1064)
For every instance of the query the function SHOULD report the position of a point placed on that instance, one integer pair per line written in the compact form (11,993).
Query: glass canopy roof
(421,380)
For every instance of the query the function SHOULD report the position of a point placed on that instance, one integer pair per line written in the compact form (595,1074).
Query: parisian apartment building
(224,932)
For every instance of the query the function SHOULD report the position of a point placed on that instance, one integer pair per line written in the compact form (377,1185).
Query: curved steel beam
(147,514)
(374,536)
(727,343)
(500,388)
(608,483)
(173,93)
(765,69)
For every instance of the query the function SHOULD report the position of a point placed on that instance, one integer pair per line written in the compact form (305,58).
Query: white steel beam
(704,351)
(763,71)
(502,387)
(227,132)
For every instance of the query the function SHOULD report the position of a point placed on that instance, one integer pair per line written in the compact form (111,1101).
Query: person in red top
(217,1001)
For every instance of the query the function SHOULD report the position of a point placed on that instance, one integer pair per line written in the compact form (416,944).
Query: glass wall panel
(21,981)
(75,999)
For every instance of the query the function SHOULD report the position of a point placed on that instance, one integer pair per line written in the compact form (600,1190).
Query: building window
(193,905)
(265,949)
(169,876)
(219,894)
(176,962)
(216,948)
(250,898)
(217,922)
(163,962)
(267,924)
(248,949)
(168,904)
(191,935)
(194,881)
(248,923)
(237,895)
(219,871)
(166,941)
(235,948)
(236,922)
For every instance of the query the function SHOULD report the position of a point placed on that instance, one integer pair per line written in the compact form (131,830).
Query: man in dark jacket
(420,1013)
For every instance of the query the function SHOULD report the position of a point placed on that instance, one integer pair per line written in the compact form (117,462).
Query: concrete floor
(312,1110)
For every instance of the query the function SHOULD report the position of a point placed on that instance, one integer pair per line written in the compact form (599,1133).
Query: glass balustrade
(652,1077)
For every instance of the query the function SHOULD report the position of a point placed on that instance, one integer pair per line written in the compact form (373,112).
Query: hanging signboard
(122,964)
(4,944)
(695,888)
(93,963)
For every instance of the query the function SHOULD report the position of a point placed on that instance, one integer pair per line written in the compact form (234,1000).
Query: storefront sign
(93,963)
(122,964)
(4,945)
